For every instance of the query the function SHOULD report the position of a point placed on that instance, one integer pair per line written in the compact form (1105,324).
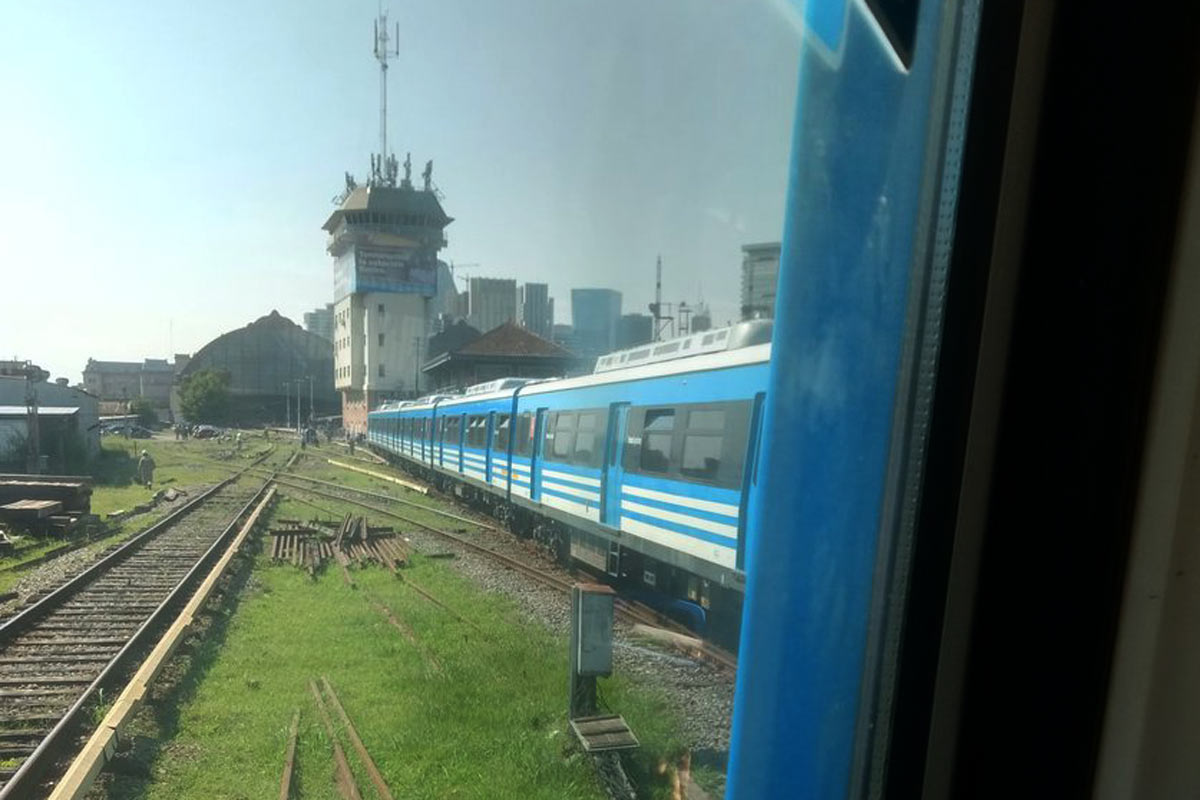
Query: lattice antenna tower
(385,50)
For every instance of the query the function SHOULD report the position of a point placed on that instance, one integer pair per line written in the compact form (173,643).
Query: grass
(455,714)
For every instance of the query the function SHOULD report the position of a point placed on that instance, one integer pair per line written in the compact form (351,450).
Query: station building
(272,364)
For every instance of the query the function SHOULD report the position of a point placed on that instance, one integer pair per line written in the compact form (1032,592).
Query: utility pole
(417,367)
(657,308)
(33,465)
(311,413)
(287,395)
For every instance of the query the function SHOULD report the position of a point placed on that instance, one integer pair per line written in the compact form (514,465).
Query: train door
(610,478)
(462,440)
(749,475)
(487,447)
(535,457)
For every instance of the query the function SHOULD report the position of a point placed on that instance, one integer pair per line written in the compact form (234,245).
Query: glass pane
(585,445)
(656,452)
(660,420)
(706,420)
(562,443)
(701,457)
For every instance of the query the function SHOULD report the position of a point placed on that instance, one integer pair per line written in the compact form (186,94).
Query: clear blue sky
(167,166)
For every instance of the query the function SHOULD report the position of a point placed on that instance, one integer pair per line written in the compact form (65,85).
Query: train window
(524,444)
(657,432)
(502,432)
(586,452)
(477,431)
(452,430)
(562,435)
(701,456)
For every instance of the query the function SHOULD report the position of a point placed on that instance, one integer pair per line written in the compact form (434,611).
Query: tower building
(384,238)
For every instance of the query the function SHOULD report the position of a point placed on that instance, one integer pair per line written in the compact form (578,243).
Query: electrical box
(593,629)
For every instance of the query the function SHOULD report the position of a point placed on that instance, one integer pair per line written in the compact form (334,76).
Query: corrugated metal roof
(43,411)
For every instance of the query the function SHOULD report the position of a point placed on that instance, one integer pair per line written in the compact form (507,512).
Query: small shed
(61,441)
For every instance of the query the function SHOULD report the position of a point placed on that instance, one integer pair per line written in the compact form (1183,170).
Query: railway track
(59,653)
(629,610)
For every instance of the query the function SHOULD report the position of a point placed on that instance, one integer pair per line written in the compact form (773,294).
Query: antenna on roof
(383,53)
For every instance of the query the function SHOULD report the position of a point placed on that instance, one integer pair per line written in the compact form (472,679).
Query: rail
(52,746)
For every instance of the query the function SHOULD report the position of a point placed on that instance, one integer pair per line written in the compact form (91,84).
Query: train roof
(760,353)
(716,340)
(721,359)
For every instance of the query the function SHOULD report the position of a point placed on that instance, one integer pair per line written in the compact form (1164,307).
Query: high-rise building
(594,316)
(491,302)
(701,319)
(634,329)
(320,322)
(537,309)
(760,273)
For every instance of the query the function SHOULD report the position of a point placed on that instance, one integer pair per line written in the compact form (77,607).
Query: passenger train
(639,471)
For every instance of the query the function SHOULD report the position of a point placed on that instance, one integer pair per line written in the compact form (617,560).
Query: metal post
(591,645)
(298,407)
(311,413)
(417,368)
(287,396)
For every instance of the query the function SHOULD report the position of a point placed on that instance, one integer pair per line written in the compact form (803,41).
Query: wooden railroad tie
(309,548)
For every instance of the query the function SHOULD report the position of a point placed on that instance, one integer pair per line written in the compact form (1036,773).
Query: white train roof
(733,337)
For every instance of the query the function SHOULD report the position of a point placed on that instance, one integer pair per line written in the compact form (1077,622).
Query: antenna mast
(656,308)
(383,53)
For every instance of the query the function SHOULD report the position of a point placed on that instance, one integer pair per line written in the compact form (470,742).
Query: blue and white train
(639,471)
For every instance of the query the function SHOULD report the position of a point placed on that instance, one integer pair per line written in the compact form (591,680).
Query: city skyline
(178,162)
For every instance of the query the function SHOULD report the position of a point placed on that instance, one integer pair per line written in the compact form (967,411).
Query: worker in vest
(145,469)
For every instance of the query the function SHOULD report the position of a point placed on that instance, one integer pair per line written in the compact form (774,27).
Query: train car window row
(701,443)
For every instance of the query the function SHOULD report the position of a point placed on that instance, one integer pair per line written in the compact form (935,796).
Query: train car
(639,472)
(975,568)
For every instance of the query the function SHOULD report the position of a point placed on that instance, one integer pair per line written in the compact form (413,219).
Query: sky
(167,166)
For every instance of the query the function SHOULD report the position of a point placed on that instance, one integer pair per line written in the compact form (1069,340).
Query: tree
(146,415)
(204,396)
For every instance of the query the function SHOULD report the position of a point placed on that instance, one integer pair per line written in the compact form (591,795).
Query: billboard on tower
(385,269)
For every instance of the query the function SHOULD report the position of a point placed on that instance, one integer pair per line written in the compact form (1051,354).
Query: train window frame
(560,430)
(476,431)
(501,432)
(734,433)
(526,422)
(636,434)
(596,430)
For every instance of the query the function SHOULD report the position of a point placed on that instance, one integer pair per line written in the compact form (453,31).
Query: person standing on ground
(145,470)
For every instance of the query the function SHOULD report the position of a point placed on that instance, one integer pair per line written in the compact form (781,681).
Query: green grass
(461,713)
